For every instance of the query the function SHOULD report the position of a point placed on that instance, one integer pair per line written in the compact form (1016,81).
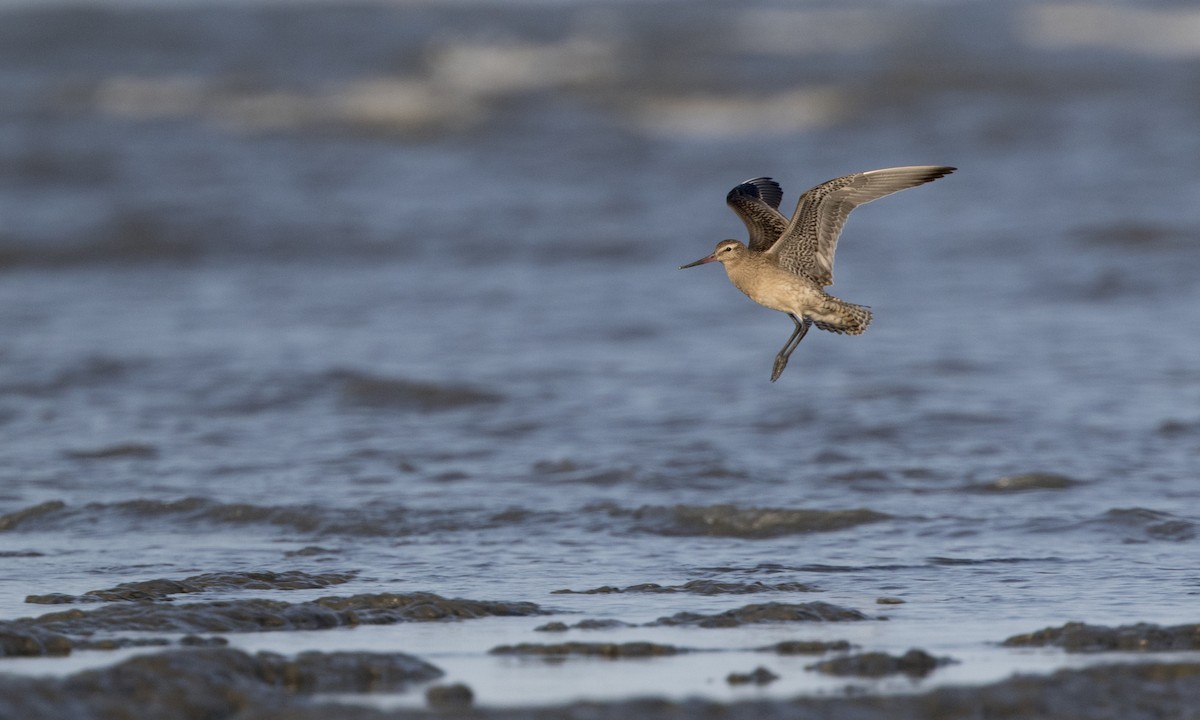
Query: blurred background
(289,258)
(494,191)
(543,132)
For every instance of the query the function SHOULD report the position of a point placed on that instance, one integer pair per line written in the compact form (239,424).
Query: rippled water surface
(391,290)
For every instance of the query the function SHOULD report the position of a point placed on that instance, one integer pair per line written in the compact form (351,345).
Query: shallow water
(408,307)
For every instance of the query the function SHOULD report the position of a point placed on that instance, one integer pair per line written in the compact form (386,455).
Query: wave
(1143,525)
(1127,525)
(90,372)
(163,589)
(188,513)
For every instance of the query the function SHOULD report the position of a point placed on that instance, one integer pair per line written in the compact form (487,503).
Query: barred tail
(840,317)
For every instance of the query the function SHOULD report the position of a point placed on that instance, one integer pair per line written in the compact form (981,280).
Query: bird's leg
(781,359)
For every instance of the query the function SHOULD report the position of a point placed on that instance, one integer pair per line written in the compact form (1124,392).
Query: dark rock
(214,684)
(602,590)
(209,582)
(608,650)
(205,684)
(766,612)
(698,587)
(555,626)
(806,647)
(1142,637)
(449,697)
(313,672)
(116,643)
(52,599)
(309,551)
(20,641)
(600,624)
(759,676)
(253,615)
(915,663)
(199,641)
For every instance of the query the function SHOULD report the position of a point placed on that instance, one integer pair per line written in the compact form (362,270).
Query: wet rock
(200,641)
(449,697)
(602,590)
(1142,637)
(52,599)
(600,624)
(116,643)
(309,551)
(759,676)
(209,582)
(698,587)
(253,615)
(607,650)
(766,612)
(17,640)
(312,672)
(889,601)
(733,521)
(806,647)
(20,641)
(387,608)
(1118,692)
(1026,482)
(223,683)
(205,684)
(589,624)
(915,663)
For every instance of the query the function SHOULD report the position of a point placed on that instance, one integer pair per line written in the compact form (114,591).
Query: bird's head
(726,251)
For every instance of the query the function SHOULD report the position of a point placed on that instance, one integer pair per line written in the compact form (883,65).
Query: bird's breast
(774,288)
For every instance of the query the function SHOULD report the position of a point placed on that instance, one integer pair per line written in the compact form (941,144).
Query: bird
(787,264)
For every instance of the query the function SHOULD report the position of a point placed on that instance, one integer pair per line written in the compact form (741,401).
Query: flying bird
(789,263)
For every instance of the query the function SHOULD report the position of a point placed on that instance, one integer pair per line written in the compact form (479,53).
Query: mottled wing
(756,202)
(807,245)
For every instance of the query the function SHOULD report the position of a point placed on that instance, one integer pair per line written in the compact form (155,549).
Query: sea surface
(390,289)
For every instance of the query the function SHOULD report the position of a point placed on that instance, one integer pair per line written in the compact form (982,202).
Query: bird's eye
(727,249)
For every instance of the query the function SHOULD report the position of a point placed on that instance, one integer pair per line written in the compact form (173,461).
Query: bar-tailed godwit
(788,263)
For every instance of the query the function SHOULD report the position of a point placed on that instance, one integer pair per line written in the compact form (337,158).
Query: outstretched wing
(807,244)
(756,202)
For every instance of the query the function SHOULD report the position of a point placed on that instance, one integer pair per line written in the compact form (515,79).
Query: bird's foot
(781,361)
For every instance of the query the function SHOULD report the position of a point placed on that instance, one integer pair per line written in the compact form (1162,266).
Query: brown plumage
(788,263)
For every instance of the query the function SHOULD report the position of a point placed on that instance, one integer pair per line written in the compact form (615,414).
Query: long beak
(701,261)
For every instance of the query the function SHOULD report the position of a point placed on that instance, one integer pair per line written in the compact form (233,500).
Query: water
(407,305)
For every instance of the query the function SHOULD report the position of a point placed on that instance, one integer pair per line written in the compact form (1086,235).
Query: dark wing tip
(940,171)
(760,188)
